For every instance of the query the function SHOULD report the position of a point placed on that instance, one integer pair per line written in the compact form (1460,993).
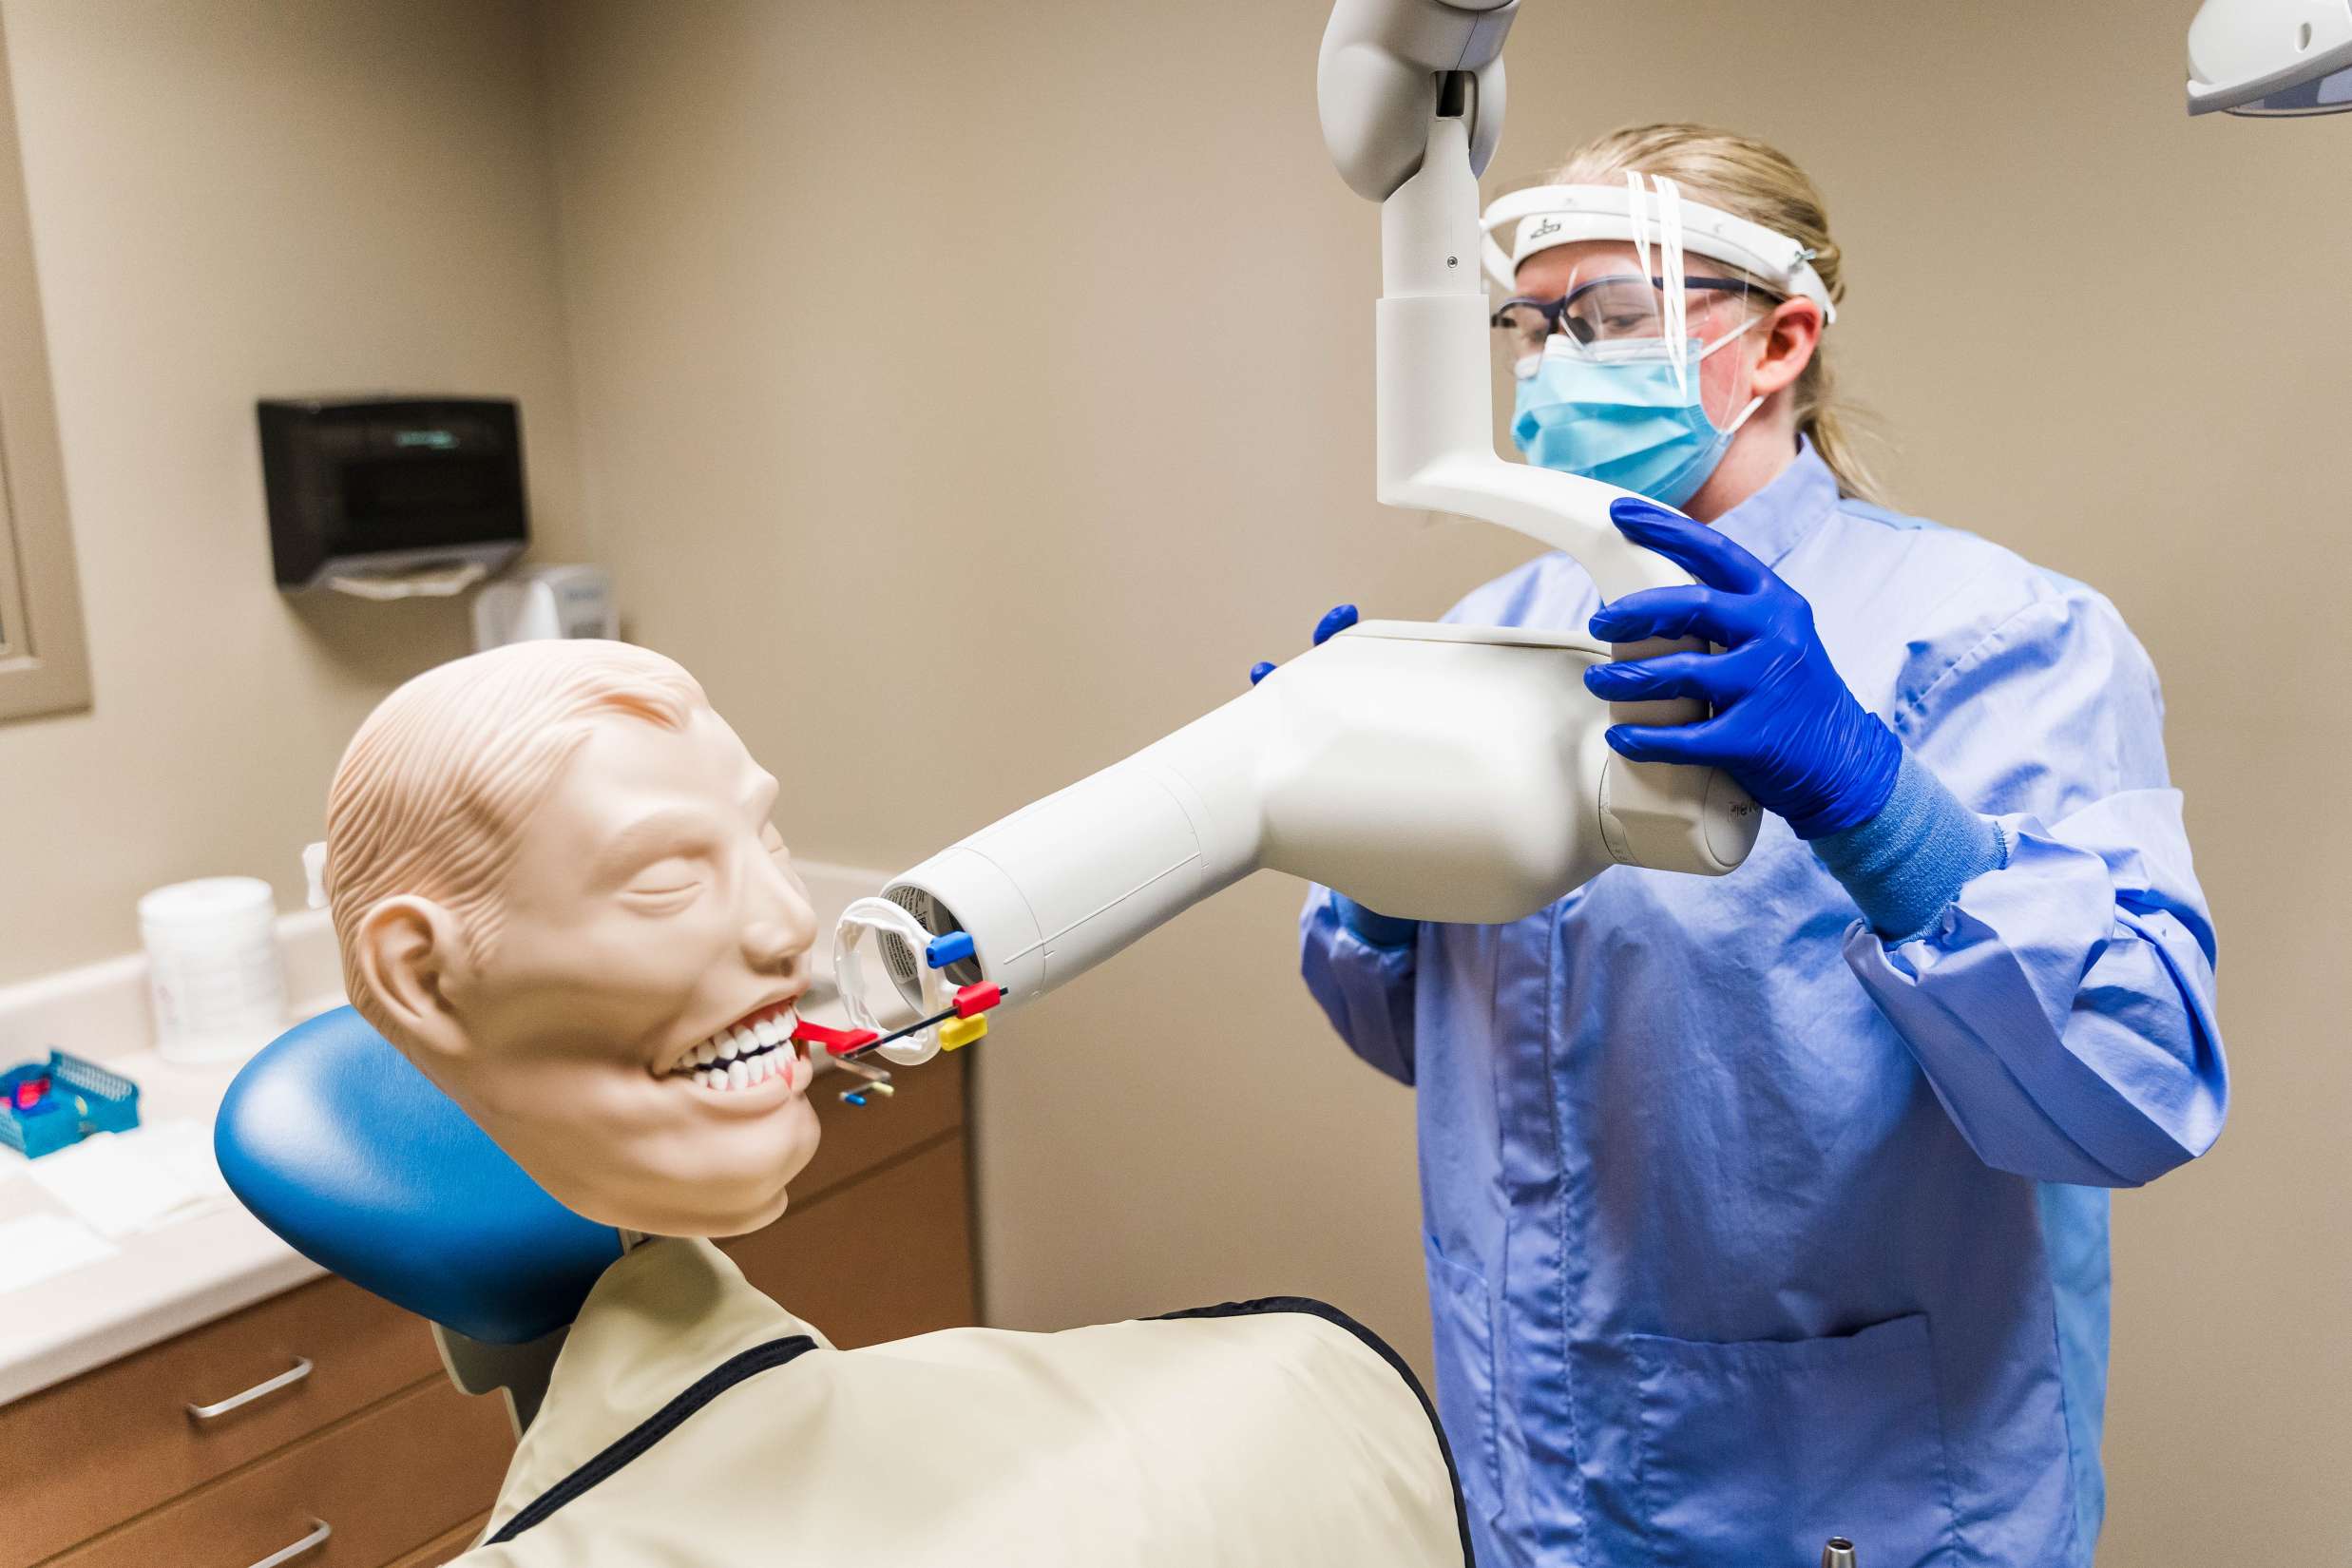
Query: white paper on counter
(118,1183)
(34,1248)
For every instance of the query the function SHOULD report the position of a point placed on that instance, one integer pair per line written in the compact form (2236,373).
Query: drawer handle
(320,1530)
(287,1379)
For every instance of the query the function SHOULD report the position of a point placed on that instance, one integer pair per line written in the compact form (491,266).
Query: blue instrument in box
(53,1105)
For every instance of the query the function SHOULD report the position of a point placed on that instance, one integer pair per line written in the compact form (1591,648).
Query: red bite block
(973,1000)
(837,1041)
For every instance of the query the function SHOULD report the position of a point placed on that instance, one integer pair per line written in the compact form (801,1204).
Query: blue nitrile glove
(1785,724)
(1378,930)
(1335,621)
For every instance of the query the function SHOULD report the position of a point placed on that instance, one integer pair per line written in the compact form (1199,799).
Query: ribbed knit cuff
(1906,863)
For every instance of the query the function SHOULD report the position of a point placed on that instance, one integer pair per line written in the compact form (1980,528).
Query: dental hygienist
(1773,1206)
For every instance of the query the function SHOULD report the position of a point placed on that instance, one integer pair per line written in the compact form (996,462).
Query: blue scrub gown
(1745,1228)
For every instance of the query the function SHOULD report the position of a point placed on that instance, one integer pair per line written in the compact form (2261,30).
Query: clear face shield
(1631,270)
(1608,311)
(1617,305)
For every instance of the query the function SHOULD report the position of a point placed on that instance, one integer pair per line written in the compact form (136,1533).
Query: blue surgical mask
(1619,413)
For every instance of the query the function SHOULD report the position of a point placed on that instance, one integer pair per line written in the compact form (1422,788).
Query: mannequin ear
(408,949)
(1791,335)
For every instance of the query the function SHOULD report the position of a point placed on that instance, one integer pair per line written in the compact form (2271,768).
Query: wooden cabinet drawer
(856,1138)
(385,1482)
(883,1258)
(118,1440)
(439,1550)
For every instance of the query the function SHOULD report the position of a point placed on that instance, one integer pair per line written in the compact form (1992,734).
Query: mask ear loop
(1749,412)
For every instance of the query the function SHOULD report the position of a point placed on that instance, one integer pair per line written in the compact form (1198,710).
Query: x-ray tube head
(1432,773)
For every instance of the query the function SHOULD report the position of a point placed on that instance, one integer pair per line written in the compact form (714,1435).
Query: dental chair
(335,1143)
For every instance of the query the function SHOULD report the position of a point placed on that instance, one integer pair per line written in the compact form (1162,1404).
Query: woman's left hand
(1785,725)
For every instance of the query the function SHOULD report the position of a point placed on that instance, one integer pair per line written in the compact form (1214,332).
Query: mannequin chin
(558,890)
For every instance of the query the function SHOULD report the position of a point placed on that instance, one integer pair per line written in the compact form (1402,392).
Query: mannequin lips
(752,1062)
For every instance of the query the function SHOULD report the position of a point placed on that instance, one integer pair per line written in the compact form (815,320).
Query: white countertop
(216,1258)
(159,1282)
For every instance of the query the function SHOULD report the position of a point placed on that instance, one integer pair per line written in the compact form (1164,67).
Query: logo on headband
(1549,225)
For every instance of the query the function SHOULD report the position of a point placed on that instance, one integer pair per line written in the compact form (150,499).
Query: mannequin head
(556,886)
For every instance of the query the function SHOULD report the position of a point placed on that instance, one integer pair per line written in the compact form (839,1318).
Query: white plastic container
(215,977)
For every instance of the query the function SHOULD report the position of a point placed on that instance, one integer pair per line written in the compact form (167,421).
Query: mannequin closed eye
(657,847)
(668,880)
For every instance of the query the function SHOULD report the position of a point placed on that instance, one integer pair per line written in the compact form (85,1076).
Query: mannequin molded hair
(434,788)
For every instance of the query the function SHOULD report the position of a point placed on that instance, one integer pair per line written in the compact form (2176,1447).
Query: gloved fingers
(1709,741)
(1674,612)
(1719,679)
(1706,553)
(1335,621)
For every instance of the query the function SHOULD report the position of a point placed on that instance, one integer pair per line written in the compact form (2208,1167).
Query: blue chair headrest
(359,1163)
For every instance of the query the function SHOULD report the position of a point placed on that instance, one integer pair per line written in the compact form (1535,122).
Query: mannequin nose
(771,945)
(782,926)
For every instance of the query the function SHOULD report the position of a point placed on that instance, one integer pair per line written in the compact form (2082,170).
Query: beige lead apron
(692,1422)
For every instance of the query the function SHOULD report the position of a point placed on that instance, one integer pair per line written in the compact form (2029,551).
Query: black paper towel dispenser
(374,490)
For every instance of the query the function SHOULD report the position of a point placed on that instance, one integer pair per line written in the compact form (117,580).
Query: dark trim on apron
(1332,1314)
(777,1352)
(737,1367)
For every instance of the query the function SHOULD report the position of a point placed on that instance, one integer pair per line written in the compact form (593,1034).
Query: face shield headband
(1642,211)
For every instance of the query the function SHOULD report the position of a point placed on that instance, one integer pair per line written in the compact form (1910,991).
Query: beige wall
(969,393)
(973,392)
(229,201)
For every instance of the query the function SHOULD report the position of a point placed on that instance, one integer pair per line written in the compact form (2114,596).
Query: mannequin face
(650,911)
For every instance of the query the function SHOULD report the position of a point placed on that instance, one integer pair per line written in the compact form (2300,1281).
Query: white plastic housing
(1383,70)
(2270,57)
(1430,773)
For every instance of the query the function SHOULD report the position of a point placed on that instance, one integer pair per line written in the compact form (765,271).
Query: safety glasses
(1618,308)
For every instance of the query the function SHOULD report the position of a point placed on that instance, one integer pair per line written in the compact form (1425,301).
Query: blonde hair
(1754,181)
(435,787)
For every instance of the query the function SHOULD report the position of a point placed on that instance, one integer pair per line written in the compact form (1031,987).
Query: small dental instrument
(872,1081)
(1838,1553)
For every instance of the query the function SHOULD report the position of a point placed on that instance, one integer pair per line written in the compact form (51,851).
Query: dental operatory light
(2271,59)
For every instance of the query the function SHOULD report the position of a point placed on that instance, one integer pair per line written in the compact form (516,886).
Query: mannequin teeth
(745,1055)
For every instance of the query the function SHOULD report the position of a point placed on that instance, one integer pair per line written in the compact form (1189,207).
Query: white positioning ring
(880,916)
